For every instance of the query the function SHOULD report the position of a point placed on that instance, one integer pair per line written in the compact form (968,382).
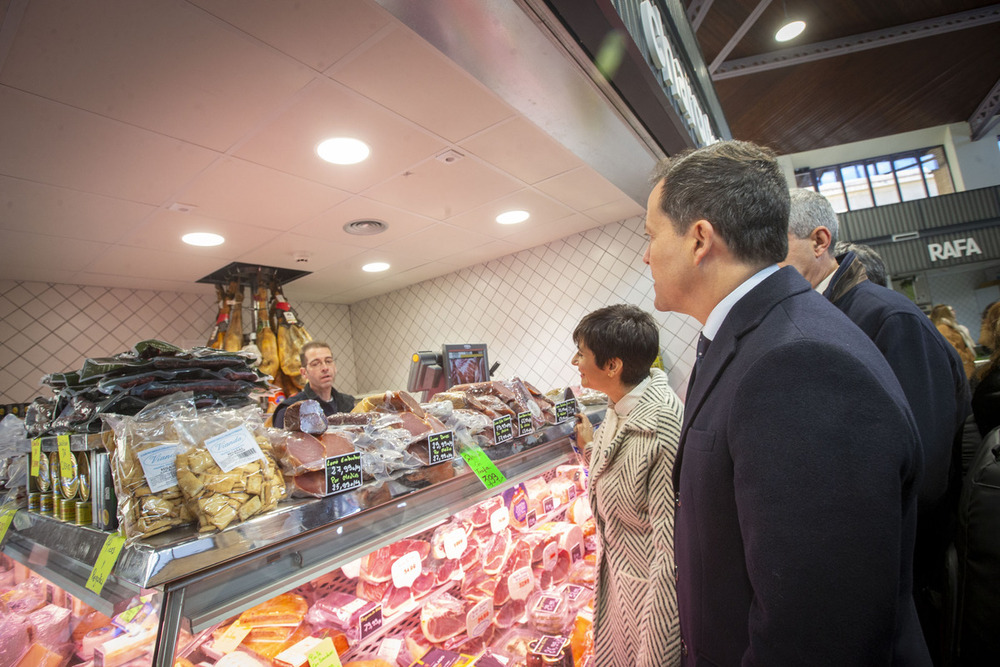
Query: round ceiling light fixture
(343,150)
(375,267)
(513,217)
(205,239)
(790,30)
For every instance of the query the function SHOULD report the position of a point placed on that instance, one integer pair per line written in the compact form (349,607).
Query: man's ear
(703,234)
(821,238)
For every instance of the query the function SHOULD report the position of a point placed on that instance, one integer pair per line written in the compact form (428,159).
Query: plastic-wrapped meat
(463,643)
(470,557)
(424,584)
(351,419)
(373,591)
(442,617)
(543,577)
(446,571)
(479,514)
(377,566)
(307,416)
(394,599)
(519,557)
(439,409)
(496,552)
(15,637)
(509,614)
(299,452)
(478,585)
(50,625)
(561,570)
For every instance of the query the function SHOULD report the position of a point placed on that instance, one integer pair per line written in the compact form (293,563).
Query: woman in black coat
(986,389)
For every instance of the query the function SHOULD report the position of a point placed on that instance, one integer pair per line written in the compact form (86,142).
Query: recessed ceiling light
(343,150)
(790,30)
(513,217)
(375,267)
(202,239)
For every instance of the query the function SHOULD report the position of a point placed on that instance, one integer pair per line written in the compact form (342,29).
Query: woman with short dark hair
(631,460)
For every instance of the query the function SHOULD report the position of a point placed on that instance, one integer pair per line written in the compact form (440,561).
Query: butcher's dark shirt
(338,403)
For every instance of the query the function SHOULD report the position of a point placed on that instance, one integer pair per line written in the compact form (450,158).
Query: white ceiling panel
(164,229)
(285,250)
(241,191)
(520,148)
(403,73)
(184,267)
(54,211)
(542,208)
(615,211)
(582,189)
(165,66)
(23,251)
(330,224)
(435,242)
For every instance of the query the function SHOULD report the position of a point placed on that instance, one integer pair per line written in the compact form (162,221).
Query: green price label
(105,562)
(65,458)
(324,655)
(487,473)
(7,513)
(36,455)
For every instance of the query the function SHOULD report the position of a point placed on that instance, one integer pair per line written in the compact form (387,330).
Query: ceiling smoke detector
(449,157)
(301,257)
(365,227)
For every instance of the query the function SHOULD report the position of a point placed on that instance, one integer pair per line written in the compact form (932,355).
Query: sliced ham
(442,617)
(372,591)
(298,452)
(394,599)
(508,614)
(424,584)
(496,552)
(307,416)
(335,444)
(309,484)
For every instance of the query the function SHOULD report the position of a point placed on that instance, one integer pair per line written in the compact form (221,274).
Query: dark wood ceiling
(846,95)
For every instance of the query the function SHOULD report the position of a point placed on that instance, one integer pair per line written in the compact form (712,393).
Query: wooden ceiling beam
(862,42)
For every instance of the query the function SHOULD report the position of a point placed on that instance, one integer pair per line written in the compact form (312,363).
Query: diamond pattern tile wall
(523,306)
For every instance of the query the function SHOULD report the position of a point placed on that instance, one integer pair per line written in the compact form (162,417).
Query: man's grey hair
(809,210)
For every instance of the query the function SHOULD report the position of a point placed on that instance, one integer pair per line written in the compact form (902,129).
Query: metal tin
(83,466)
(66,510)
(69,487)
(44,479)
(54,472)
(34,501)
(47,505)
(102,492)
(84,513)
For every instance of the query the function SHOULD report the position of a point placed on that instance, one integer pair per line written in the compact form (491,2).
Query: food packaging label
(352,570)
(499,520)
(438,657)
(503,429)
(566,411)
(548,504)
(324,655)
(550,554)
(343,473)
(159,465)
(105,562)
(479,617)
(520,583)
(406,569)
(548,603)
(440,447)
(234,448)
(573,591)
(370,622)
(549,645)
(455,543)
(524,425)
(389,649)
(532,519)
(298,654)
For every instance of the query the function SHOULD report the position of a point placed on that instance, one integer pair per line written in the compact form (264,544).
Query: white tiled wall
(523,306)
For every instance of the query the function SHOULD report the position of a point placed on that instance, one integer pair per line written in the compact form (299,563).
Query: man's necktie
(703,344)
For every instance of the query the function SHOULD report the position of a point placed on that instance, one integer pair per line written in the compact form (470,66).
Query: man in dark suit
(928,369)
(797,472)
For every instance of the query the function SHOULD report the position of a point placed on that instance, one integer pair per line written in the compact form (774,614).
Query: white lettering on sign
(953,249)
(674,78)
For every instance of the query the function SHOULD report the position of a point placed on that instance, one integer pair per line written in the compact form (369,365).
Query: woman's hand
(584,430)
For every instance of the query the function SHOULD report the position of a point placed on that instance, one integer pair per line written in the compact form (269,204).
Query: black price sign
(524,425)
(566,410)
(370,622)
(548,645)
(343,473)
(440,447)
(503,429)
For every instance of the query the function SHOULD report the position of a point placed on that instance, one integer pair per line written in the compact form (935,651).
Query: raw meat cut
(442,617)
(307,416)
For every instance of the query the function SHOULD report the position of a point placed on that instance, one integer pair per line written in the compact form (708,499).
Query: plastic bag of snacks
(226,467)
(142,457)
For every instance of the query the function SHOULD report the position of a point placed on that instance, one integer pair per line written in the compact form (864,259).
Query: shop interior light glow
(790,30)
(203,239)
(375,267)
(513,217)
(343,150)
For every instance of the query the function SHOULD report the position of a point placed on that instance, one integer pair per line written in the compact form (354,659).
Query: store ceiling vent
(365,227)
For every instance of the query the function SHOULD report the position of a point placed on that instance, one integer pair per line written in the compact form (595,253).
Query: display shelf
(208,578)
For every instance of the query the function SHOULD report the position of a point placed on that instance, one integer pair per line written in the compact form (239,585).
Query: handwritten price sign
(105,562)
(484,468)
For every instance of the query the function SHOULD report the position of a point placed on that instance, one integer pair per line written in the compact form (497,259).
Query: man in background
(928,369)
(319,370)
(798,461)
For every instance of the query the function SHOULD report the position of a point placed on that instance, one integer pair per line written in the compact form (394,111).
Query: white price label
(389,649)
(406,569)
(520,583)
(455,543)
(298,654)
(550,554)
(479,618)
(500,519)
(234,448)
(352,570)
(159,465)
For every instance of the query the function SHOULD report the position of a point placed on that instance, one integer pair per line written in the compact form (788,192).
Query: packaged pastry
(287,609)
(341,611)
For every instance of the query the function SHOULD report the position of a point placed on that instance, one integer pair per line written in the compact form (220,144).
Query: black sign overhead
(247,274)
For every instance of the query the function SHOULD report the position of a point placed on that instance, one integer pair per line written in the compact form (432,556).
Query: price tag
(566,410)
(503,429)
(234,448)
(550,554)
(324,655)
(532,518)
(573,592)
(455,543)
(520,583)
(129,614)
(231,638)
(389,649)
(105,562)
(159,465)
(370,622)
(571,493)
(485,470)
(548,604)
(479,617)
(406,569)
(343,472)
(36,454)
(549,646)
(440,447)
(7,513)
(577,553)
(65,458)
(296,655)
(548,504)
(499,520)
(524,423)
